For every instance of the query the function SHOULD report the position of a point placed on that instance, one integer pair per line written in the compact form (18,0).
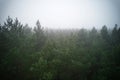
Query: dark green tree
(39,36)
(104,33)
(115,35)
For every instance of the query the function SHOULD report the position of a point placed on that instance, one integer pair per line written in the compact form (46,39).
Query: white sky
(62,13)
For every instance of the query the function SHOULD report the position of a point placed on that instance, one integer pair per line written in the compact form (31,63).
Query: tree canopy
(39,54)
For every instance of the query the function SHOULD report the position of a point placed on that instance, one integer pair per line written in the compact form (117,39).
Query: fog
(63,13)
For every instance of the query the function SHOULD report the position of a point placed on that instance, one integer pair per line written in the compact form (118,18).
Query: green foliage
(39,36)
(36,54)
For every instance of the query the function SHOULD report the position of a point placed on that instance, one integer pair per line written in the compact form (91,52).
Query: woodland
(63,54)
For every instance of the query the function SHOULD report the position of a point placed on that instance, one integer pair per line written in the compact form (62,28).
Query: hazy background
(63,13)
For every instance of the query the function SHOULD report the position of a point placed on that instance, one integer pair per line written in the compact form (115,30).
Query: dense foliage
(37,54)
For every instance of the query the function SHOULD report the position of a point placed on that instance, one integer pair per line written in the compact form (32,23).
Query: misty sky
(63,13)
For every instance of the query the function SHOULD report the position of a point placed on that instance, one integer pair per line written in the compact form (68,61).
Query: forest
(68,54)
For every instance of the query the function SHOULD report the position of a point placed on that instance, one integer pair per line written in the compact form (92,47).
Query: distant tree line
(38,54)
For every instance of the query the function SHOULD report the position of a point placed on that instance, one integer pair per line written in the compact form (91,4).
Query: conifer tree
(39,36)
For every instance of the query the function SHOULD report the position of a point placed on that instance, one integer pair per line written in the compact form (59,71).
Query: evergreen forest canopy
(38,54)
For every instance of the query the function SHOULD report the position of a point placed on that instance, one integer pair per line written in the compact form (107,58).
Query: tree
(106,36)
(27,54)
(104,33)
(39,36)
(82,38)
(93,32)
(14,50)
(115,35)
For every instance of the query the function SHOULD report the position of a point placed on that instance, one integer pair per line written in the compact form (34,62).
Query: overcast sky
(63,13)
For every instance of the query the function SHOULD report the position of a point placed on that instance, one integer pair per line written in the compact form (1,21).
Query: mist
(63,14)
(59,39)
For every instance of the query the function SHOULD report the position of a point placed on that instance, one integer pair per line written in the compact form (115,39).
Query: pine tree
(115,35)
(39,36)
